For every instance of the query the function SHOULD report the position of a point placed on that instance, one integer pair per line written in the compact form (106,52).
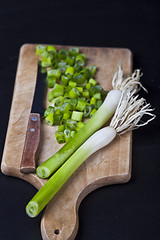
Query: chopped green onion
(77,116)
(57,119)
(66,115)
(80,89)
(40,49)
(71,124)
(79,78)
(64,80)
(74,93)
(67,135)
(57,102)
(69,71)
(59,137)
(60,128)
(57,91)
(70,60)
(93,100)
(73,133)
(48,111)
(81,105)
(72,84)
(93,112)
(74,51)
(93,69)
(49,119)
(77,68)
(63,53)
(79,126)
(87,111)
(54,73)
(85,94)
(92,81)
(80,59)
(51,49)
(51,81)
(97,96)
(65,107)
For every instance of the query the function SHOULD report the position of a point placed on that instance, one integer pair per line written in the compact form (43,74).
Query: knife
(32,139)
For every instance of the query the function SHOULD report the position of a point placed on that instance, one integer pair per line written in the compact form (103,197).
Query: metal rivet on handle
(34,118)
(32,129)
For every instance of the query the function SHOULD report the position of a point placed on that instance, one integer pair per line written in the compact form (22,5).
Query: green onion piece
(99,103)
(59,137)
(81,105)
(79,78)
(65,107)
(54,73)
(86,72)
(80,59)
(72,84)
(51,81)
(85,94)
(51,48)
(67,135)
(77,68)
(73,133)
(93,69)
(49,110)
(61,64)
(88,85)
(73,103)
(57,119)
(60,128)
(93,112)
(63,53)
(92,81)
(40,49)
(87,111)
(74,93)
(93,100)
(64,80)
(49,119)
(57,91)
(57,102)
(46,63)
(57,111)
(80,89)
(79,126)
(69,71)
(66,115)
(77,116)
(97,96)
(71,124)
(70,60)
(74,51)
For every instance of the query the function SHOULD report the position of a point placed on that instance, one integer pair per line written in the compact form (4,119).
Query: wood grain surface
(111,165)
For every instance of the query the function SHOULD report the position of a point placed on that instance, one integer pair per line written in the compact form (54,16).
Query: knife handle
(28,161)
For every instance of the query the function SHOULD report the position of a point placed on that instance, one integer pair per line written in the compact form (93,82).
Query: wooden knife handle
(28,161)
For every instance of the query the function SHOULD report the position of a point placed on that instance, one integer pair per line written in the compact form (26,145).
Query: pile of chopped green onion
(75,95)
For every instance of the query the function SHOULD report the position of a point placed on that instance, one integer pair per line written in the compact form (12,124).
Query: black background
(120,212)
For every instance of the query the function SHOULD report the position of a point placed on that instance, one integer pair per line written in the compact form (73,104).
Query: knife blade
(32,139)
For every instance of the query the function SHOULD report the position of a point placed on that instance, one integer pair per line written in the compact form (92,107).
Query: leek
(127,116)
(99,118)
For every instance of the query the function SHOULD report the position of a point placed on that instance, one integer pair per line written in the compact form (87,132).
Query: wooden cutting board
(111,165)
